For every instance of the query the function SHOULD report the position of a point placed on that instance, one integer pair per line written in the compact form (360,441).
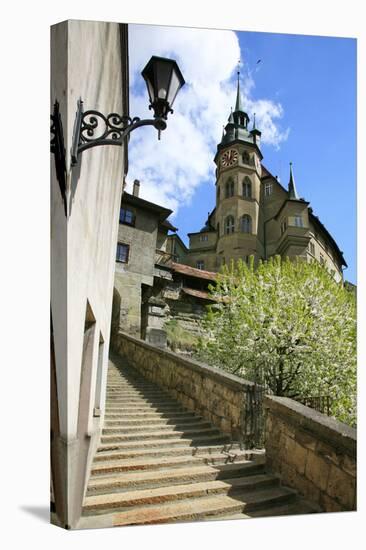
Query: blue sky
(304,93)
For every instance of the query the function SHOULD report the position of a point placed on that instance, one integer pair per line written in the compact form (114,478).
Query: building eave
(132,200)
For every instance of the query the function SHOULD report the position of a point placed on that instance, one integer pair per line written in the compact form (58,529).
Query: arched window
(229,188)
(247,187)
(246,157)
(246,224)
(229,225)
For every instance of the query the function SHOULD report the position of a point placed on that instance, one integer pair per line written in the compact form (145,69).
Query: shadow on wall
(116,309)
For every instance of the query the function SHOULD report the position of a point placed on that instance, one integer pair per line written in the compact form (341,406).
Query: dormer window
(268,188)
(127,217)
(229,189)
(247,188)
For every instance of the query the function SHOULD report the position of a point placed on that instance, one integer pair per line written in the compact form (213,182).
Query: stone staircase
(158,463)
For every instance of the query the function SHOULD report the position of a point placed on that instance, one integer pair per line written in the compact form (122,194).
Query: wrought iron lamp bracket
(92,128)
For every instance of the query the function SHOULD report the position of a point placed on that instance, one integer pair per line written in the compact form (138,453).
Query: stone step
(174,476)
(143,408)
(156,463)
(294,507)
(161,434)
(154,426)
(160,443)
(133,498)
(230,450)
(153,421)
(120,390)
(194,509)
(139,416)
(113,402)
(138,395)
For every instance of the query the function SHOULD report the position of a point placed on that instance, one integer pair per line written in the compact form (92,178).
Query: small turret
(256,133)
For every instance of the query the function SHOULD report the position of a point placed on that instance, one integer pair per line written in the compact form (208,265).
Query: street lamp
(163,80)
(91,128)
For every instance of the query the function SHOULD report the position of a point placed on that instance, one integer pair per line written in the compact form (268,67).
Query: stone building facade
(141,246)
(254,214)
(149,287)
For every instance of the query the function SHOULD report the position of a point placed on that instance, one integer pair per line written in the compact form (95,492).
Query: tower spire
(238,104)
(292,192)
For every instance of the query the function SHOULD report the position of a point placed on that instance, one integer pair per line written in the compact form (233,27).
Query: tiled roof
(193,272)
(197,293)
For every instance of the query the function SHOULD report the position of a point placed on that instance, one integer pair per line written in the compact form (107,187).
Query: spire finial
(292,192)
(253,121)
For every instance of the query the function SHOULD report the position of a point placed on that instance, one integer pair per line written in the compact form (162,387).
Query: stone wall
(313,453)
(217,396)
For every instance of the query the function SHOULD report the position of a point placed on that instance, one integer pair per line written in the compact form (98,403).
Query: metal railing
(321,403)
(252,418)
(252,433)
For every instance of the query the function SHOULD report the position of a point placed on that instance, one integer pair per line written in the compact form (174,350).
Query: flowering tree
(289,326)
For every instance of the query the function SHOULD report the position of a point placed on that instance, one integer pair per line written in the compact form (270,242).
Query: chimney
(136,188)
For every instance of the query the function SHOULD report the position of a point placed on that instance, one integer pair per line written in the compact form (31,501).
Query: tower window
(203,238)
(298,220)
(229,189)
(200,264)
(123,252)
(229,225)
(247,188)
(312,248)
(246,157)
(246,224)
(322,260)
(127,216)
(268,188)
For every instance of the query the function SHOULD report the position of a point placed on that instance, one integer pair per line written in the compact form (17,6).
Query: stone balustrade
(223,399)
(313,453)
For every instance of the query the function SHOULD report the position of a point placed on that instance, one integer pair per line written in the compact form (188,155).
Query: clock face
(229,158)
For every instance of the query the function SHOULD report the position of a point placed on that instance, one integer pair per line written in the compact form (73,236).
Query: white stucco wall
(86,63)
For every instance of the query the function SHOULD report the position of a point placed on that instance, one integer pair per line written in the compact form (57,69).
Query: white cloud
(171,170)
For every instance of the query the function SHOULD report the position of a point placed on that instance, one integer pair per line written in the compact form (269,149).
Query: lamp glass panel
(163,72)
(150,89)
(175,86)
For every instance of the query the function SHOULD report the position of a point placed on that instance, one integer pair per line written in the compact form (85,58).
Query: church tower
(238,185)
